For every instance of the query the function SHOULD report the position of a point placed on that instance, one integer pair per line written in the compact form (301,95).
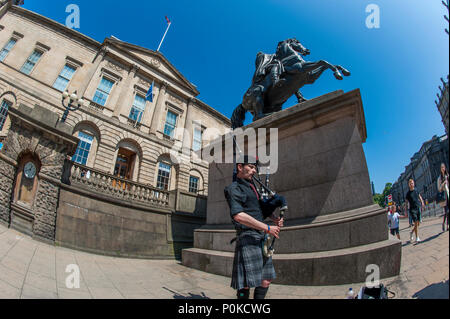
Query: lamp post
(71,106)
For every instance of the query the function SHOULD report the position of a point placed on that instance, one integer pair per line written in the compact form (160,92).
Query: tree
(380,199)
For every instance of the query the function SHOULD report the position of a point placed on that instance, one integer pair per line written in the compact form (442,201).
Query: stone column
(120,107)
(146,117)
(47,196)
(187,142)
(98,59)
(158,108)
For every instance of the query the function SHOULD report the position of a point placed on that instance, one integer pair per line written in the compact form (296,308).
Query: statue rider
(268,64)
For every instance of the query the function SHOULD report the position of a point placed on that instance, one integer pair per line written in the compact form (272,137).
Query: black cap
(246,159)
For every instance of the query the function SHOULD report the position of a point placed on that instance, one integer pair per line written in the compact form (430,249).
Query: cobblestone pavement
(31,269)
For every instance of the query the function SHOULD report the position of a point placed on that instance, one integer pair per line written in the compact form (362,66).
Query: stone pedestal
(333,231)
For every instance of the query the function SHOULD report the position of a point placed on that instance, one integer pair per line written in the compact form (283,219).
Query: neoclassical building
(102,180)
(424,168)
(442,103)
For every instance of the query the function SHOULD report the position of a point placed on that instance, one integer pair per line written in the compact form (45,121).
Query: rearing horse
(263,98)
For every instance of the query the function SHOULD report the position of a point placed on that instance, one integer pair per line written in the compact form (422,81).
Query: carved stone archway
(39,133)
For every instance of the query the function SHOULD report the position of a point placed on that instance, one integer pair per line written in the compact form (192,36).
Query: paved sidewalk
(31,269)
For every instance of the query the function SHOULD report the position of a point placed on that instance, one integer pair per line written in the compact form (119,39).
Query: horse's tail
(238,117)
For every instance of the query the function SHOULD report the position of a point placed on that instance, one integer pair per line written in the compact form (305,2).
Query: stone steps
(311,269)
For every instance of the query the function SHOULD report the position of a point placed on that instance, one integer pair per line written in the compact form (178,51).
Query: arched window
(163,179)
(195,182)
(4,107)
(166,173)
(128,159)
(89,136)
(7,100)
(83,148)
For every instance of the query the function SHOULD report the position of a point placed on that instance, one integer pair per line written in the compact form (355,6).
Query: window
(171,121)
(64,78)
(125,163)
(103,90)
(197,141)
(163,176)
(31,62)
(137,109)
(7,48)
(193,184)
(4,112)
(82,152)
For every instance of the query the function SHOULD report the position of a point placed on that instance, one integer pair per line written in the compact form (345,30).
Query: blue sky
(214,44)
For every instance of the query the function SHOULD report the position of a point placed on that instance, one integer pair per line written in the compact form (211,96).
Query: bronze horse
(264,98)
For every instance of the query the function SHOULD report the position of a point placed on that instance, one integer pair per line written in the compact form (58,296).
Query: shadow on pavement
(406,243)
(434,291)
(190,295)
(429,238)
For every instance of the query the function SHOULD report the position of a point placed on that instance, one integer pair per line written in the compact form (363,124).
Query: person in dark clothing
(415,202)
(443,186)
(67,166)
(250,267)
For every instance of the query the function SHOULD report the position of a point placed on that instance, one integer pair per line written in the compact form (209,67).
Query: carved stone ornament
(143,83)
(155,62)
(175,100)
(114,67)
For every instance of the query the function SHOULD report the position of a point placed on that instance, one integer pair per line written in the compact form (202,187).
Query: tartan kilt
(250,267)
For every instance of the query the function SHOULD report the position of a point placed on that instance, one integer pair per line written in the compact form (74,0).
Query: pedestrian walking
(393,221)
(250,267)
(415,202)
(443,187)
(411,224)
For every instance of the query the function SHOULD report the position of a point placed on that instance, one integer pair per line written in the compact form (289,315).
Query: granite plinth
(332,230)
(335,267)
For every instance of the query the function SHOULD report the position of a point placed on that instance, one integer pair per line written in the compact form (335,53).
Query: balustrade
(117,187)
(95,106)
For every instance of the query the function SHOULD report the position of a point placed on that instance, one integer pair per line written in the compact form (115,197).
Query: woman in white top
(443,186)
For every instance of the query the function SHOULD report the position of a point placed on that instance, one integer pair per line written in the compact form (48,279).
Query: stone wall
(99,224)
(7,172)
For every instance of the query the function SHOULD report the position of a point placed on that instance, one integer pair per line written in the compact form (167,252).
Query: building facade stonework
(424,169)
(442,103)
(124,141)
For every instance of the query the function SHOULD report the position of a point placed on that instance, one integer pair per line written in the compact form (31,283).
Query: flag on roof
(149,95)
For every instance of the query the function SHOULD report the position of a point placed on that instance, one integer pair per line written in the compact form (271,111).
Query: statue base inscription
(333,232)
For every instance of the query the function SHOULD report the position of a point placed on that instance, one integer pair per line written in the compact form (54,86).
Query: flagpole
(164,36)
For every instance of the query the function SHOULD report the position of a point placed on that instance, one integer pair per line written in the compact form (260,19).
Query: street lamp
(70,106)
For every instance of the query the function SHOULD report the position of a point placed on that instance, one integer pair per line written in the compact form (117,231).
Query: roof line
(155,53)
(55,24)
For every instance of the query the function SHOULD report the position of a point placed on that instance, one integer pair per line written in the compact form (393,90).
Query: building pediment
(154,60)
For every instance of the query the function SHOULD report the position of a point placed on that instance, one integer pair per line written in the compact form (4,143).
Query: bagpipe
(269,200)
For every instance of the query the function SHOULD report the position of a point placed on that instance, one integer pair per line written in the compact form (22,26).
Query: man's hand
(274,231)
(278,221)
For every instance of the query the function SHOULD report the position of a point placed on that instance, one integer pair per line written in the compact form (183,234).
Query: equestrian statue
(277,77)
